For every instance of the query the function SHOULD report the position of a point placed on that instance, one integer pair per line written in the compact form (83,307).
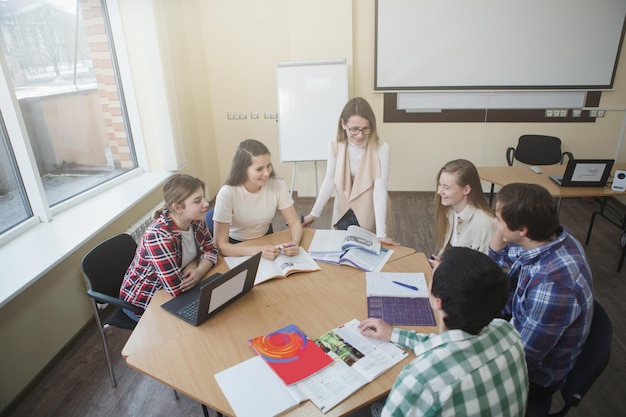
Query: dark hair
(472,289)
(466,175)
(176,190)
(528,205)
(243,159)
(356,106)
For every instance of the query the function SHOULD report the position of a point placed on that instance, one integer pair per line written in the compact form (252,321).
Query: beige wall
(211,57)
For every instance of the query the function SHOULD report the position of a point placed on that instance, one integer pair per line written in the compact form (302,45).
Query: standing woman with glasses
(247,203)
(358,168)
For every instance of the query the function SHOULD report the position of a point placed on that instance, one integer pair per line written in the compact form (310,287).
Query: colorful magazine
(290,354)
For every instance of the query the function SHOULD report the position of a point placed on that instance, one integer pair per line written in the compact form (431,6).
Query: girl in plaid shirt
(176,250)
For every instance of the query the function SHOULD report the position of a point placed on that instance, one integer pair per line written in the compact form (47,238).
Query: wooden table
(186,358)
(504,175)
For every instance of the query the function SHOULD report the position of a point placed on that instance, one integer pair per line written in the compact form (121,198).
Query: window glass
(13,202)
(61,67)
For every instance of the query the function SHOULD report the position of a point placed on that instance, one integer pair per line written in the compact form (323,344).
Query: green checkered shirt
(458,374)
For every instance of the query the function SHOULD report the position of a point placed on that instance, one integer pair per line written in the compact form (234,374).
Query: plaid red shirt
(158,260)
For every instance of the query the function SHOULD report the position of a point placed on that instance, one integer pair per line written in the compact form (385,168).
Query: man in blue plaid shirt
(550,293)
(475,365)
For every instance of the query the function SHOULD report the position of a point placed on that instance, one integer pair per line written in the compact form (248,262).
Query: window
(59,66)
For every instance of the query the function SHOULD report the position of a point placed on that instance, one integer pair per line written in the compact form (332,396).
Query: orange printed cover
(290,354)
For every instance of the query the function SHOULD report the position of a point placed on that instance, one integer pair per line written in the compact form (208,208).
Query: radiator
(140,226)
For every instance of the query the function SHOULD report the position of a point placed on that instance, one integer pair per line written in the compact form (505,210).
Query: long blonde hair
(466,175)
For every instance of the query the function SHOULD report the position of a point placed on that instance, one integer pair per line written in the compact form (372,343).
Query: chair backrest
(593,359)
(209,220)
(538,150)
(105,265)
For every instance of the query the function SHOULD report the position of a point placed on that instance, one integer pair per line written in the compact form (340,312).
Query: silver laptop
(585,173)
(214,293)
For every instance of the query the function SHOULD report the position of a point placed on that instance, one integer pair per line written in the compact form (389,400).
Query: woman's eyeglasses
(356,130)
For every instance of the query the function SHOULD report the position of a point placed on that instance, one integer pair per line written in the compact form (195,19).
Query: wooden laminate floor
(77,384)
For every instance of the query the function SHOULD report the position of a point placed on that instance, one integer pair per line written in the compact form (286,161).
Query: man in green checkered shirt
(475,365)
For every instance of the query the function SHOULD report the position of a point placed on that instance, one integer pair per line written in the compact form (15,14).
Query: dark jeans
(347,220)
(539,400)
(131,314)
(234,241)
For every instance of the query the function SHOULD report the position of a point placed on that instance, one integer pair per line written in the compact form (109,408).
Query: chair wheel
(622,240)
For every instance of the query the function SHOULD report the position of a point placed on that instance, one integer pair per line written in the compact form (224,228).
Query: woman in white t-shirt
(247,203)
(462,214)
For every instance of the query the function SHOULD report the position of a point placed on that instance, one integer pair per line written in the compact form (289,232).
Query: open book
(253,390)
(281,267)
(399,298)
(343,240)
(354,247)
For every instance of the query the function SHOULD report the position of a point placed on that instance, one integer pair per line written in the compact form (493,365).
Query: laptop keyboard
(190,311)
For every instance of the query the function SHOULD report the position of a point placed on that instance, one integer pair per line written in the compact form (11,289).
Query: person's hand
(307,221)
(289,249)
(388,241)
(497,242)
(434,261)
(270,252)
(376,329)
(190,279)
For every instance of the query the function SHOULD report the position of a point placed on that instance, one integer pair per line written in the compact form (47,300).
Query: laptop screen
(591,171)
(227,291)
(587,172)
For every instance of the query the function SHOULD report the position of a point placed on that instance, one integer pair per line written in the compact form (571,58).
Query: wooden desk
(185,357)
(504,175)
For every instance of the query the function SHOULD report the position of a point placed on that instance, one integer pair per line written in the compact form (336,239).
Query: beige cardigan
(359,196)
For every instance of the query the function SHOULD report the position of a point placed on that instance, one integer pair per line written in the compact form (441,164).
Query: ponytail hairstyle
(176,190)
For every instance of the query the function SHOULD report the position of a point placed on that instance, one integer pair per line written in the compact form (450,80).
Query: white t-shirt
(190,250)
(250,214)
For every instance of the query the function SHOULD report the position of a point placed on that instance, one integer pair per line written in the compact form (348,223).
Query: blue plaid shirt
(551,304)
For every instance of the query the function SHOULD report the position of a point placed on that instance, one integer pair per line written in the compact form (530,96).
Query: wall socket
(556,112)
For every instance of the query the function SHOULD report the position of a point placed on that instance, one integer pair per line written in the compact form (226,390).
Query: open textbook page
(357,361)
(325,241)
(254,390)
(281,267)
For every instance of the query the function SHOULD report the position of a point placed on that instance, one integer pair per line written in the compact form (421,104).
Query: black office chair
(592,361)
(537,150)
(103,270)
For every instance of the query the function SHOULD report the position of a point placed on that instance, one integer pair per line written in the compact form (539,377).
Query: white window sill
(39,249)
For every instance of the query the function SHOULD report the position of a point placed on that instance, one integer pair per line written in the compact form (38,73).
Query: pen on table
(281,247)
(402,284)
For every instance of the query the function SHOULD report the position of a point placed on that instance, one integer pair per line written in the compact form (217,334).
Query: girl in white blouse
(462,214)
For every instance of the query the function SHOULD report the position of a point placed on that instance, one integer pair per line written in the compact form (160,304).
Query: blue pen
(402,284)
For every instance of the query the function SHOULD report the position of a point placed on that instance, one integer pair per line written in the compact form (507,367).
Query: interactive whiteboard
(495,44)
(311,95)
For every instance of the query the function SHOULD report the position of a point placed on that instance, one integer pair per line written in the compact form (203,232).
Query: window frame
(23,152)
